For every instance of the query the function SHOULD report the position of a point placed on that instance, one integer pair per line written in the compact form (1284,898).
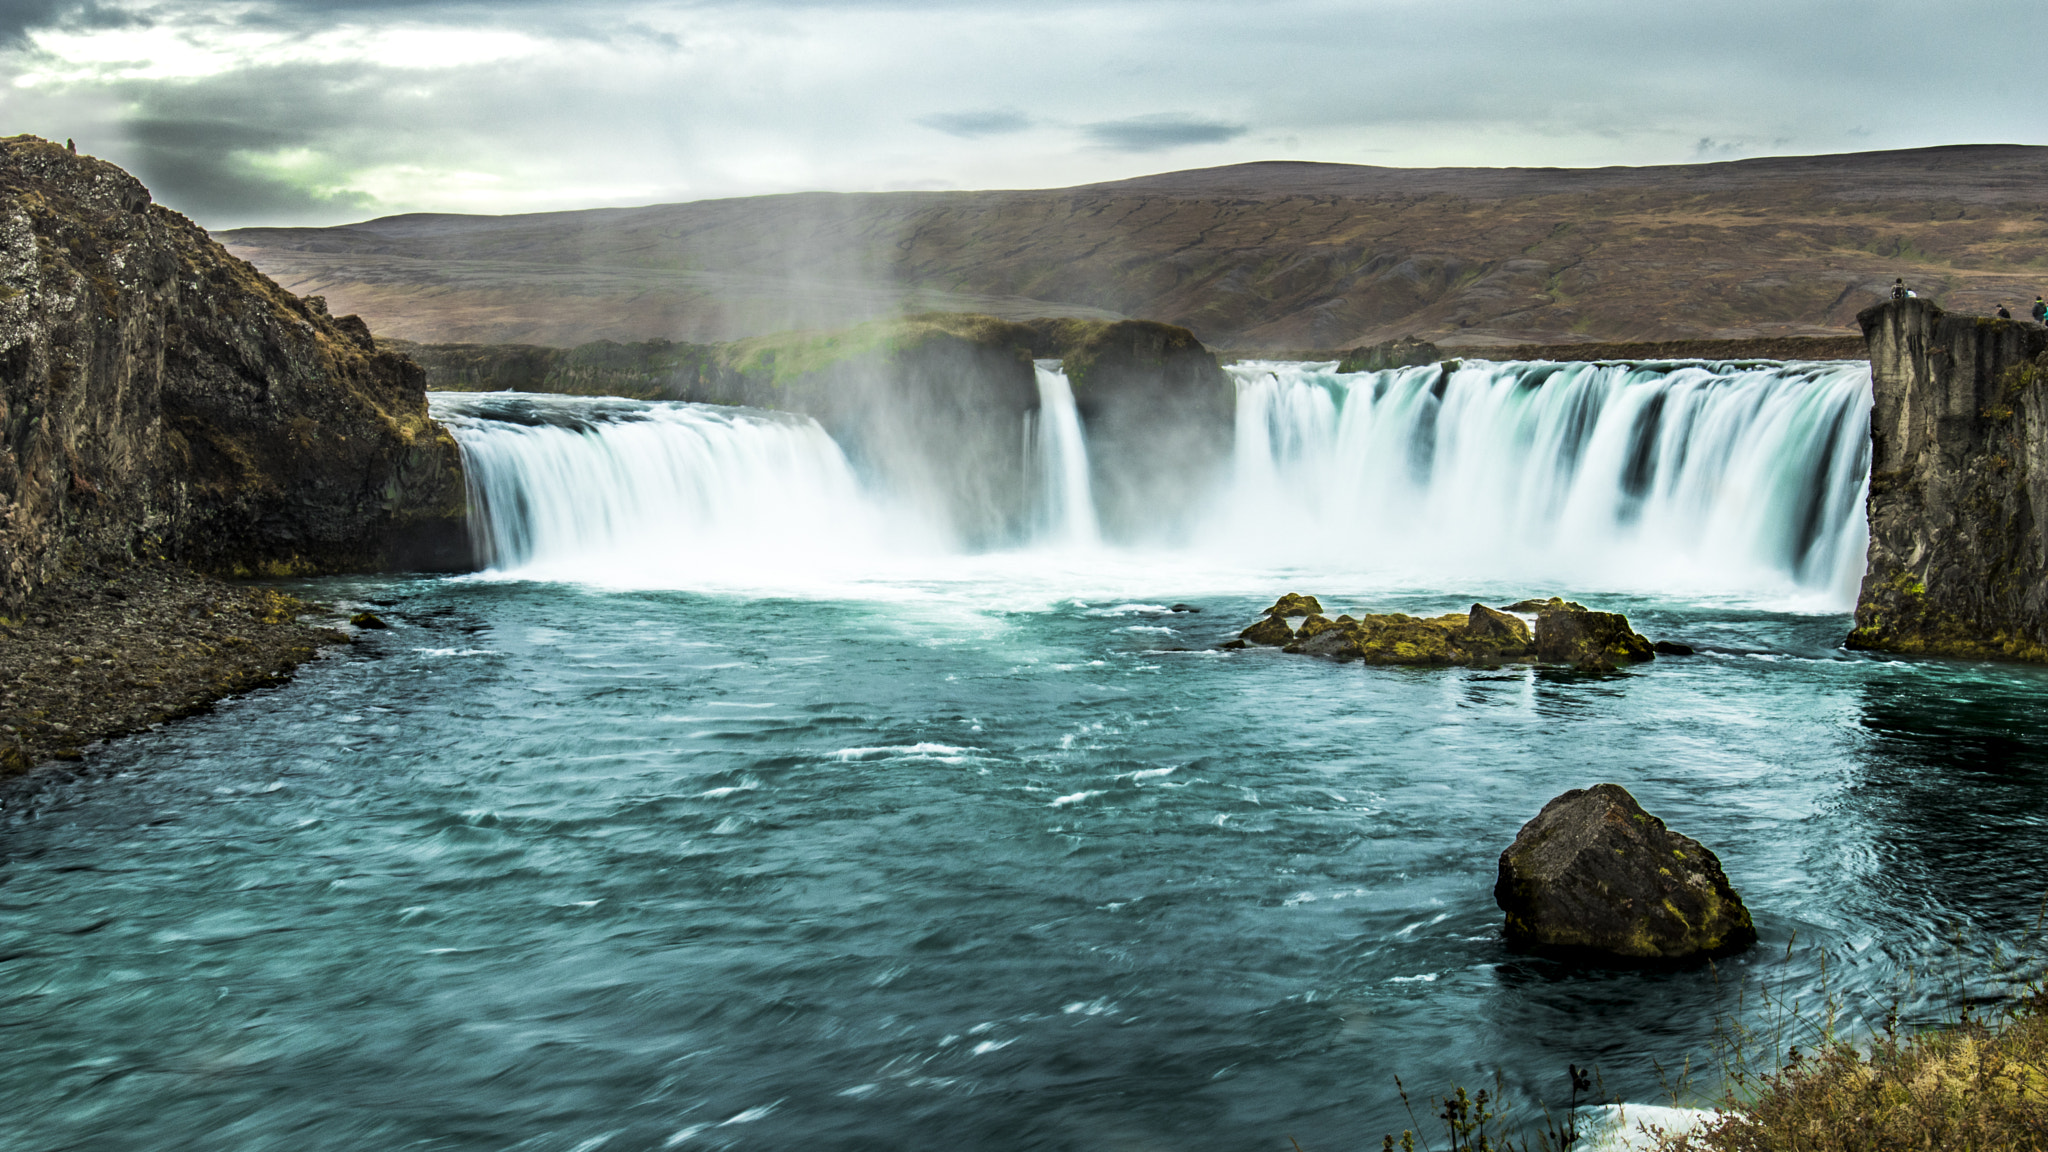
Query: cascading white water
(619,491)
(1067,506)
(1689,478)
(1693,477)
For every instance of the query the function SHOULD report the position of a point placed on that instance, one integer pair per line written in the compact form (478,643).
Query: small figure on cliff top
(2040,312)
(71,144)
(1900,291)
(2003,314)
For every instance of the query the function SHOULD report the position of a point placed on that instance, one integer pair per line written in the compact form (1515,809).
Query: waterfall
(1066,505)
(1743,479)
(621,491)
(1692,477)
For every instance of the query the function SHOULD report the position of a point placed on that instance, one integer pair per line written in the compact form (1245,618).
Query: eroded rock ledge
(1564,633)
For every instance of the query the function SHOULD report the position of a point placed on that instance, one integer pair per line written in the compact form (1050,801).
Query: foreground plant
(1978,1086)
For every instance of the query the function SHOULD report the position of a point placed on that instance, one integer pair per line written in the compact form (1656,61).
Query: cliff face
(1160,416)
(160,398)
(1958,485)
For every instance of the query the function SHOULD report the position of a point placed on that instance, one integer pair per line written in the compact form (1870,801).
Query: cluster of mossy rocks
(1565,633)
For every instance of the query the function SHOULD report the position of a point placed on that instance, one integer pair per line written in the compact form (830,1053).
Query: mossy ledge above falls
(933,404)
(1958,486)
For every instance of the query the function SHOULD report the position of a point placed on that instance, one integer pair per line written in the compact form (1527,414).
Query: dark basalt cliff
(1958,485)
(935,405)
(1159,413)
(161,398)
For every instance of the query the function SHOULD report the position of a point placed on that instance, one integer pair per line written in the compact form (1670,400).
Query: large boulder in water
(1593,872)
(1567,633)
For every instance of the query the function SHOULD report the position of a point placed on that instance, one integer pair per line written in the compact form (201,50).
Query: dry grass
(1977,1086)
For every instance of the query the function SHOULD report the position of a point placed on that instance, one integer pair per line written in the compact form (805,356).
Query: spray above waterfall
(1740,479)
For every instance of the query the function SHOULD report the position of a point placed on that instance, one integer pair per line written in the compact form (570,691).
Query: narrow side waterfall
(1066,504)
(1685,477)
(620,491)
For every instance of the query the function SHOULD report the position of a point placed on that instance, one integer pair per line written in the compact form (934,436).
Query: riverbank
(104,653)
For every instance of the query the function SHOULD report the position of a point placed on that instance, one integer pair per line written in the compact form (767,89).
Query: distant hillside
(1251,256)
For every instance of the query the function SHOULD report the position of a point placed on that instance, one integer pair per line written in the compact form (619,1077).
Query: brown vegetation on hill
(1252,256)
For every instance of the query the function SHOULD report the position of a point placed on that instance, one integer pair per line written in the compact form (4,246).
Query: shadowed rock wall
(1958,485)
(1160,417)
(160,398)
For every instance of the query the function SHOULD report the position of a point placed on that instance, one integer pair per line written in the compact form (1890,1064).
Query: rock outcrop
(1569,633)
(160,398)
(1594,873)
(1565,633)
(1958,562)
(1407,352)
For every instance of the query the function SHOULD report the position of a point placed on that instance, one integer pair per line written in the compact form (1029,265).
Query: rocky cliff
(1160,416)
(161,398)
(1958,485)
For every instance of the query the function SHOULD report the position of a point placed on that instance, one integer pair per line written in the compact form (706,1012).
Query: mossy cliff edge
(1958,486)
(161,398)
(934,404)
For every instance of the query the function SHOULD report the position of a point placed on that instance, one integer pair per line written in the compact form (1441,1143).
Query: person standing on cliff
(1899,290)
(2040,312)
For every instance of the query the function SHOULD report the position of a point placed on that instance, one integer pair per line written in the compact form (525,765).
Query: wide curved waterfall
(1688,476)
(1740,479)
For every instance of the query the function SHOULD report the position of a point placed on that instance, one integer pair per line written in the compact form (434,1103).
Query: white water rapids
(1742,480)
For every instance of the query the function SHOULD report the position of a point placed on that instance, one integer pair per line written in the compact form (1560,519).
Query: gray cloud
(1160,131)
(273,111)
(19,17)
(971,124)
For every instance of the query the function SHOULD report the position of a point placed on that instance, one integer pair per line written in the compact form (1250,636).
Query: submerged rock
(1183,608)
(368,620)
(1594,872)
(1568,633)
(1672,648)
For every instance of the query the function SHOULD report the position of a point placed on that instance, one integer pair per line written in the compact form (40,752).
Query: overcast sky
(324,111)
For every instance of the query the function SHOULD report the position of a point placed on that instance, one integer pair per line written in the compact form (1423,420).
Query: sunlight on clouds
(167,52)
(461,190)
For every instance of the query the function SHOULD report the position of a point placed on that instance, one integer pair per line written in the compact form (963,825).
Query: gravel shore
(102,654)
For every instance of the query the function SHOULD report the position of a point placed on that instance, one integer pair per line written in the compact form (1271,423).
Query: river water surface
(964,853)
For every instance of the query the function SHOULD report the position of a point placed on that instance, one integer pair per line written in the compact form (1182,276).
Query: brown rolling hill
(1250,256)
